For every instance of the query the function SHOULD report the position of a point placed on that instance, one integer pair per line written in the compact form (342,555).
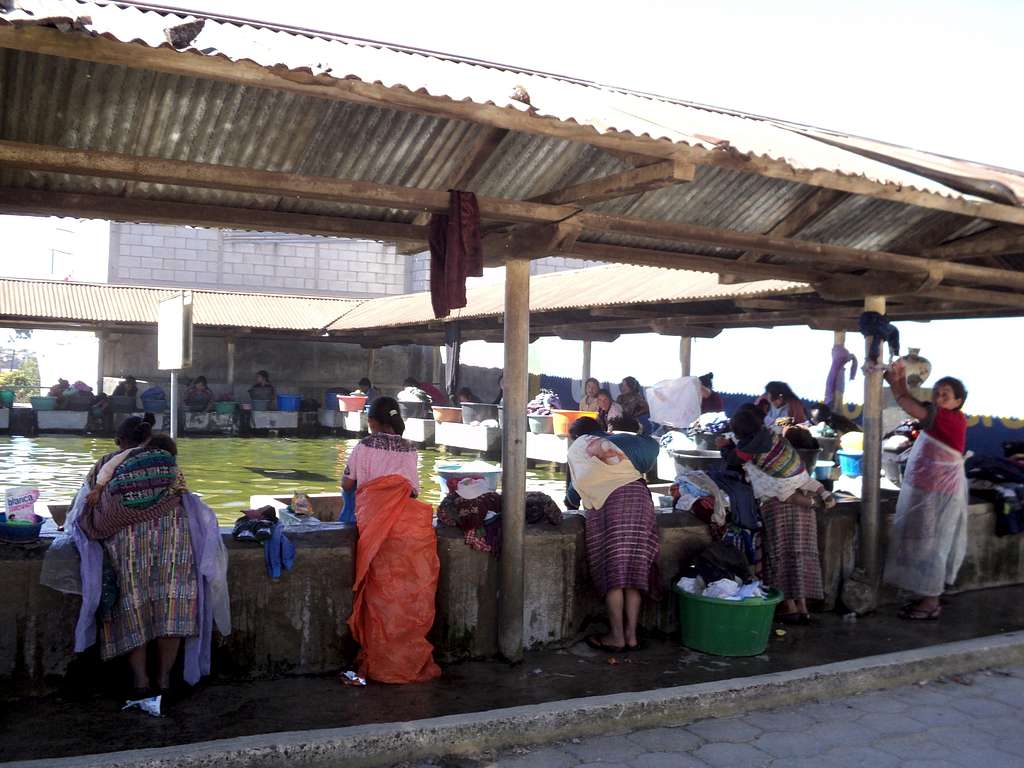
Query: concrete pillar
(870,521)
(371,358)
(685,353)
(585,373)
(839,340)
(513,457)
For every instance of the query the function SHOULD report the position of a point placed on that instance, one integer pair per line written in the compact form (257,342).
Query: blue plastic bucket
(850,463)
(288,402)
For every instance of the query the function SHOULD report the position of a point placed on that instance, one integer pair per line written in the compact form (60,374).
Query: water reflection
(226,471)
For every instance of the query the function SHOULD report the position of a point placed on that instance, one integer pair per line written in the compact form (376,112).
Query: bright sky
(932,74)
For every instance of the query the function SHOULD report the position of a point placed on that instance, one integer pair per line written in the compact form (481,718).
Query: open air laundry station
(692,221)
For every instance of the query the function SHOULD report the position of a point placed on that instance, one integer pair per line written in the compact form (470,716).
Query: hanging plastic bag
(62,567)
(675,402)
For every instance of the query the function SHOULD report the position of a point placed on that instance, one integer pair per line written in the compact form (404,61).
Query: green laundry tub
(727,627)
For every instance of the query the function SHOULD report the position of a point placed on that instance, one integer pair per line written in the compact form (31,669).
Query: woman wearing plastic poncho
(396,556)
(929,535)
(153,567)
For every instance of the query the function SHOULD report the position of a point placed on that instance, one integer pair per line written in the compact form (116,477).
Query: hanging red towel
(455,252)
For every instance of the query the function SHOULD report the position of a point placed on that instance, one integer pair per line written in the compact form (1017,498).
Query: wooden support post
(371,358)
(870,516)
(585,373)
(839,340)
(231,362)
(685,354)
(101,350)
(513,458)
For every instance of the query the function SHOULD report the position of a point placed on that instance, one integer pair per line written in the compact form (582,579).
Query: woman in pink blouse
(384,451)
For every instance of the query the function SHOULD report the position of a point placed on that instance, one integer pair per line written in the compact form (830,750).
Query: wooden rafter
(809,210)
(105,50)
(23,202)
(485,146)
(631,182)
(993,242)
(812,257)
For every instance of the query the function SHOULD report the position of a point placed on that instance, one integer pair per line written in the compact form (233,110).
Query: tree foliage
(24,380)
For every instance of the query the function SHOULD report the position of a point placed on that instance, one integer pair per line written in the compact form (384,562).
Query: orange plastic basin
(447,414)
(351,403)
(562,420)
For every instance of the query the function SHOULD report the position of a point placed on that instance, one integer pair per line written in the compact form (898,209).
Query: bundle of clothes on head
(475,509)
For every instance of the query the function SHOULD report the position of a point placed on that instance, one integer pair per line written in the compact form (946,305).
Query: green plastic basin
(727,627)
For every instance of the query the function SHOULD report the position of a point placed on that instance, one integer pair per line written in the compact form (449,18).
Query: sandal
(914,613)
(795,619)
(595,643)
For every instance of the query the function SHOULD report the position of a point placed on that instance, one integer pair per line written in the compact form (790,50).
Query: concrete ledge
(468,734)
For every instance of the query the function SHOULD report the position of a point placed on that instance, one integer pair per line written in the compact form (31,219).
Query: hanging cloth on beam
(877,327)
(835,383)
(452,346)
(455,252)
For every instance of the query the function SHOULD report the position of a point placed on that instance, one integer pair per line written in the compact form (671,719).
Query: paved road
(972,721)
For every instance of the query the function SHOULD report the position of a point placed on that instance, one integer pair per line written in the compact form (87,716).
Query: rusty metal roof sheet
(89,303)
(408,137)
(604,286)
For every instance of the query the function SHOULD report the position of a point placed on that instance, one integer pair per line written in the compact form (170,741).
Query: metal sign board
(174,333)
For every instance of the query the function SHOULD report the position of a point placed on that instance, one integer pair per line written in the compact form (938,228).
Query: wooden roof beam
(817,255)
(205,175)
(634,181)
(23,202)
(653,257)
(101,49)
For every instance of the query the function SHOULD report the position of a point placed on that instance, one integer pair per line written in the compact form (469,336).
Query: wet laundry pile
(720,571)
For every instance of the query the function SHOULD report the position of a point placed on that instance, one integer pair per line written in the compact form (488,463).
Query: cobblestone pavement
(972,720)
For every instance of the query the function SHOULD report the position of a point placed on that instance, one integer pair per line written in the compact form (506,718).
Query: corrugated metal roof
(56,301)
(606,109)
(605,286)
(612,285)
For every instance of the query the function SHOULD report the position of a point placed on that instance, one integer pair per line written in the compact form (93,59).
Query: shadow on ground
(80,722)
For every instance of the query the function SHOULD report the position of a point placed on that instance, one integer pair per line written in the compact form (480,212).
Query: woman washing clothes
(710,401)
(783,403)
(199,396)
(788,496)
(396,555)
(158,539)
(632,400)
(607,471)
(607,409)
(929,534)
(591,392)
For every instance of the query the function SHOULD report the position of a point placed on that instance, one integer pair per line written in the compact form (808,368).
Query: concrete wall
(295,366)
(190,257)
(297,625)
